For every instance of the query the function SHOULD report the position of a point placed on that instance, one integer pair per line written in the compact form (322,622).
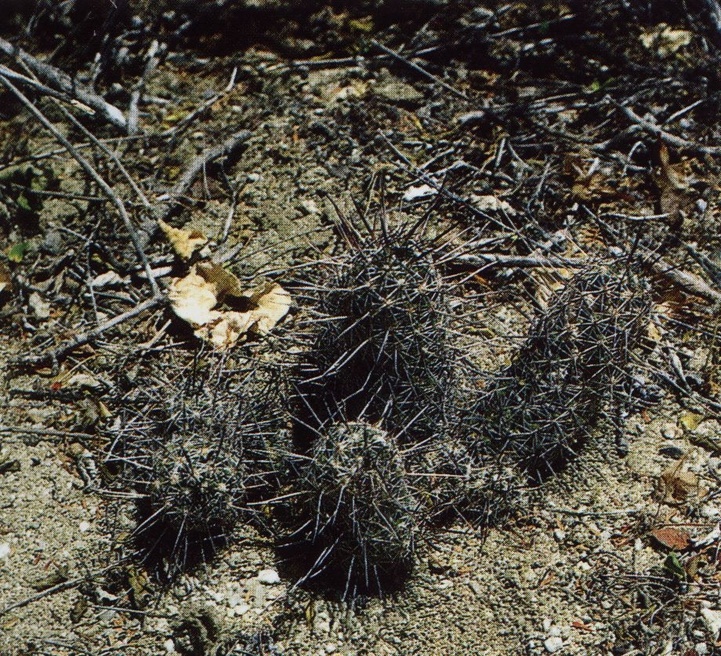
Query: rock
(553,644)
(671,451)
(399,92)
(712,620)
(670,431)
(268,577)
(4,549)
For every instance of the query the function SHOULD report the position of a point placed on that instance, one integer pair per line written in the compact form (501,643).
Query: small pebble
(701,648)
(84,527)
(670,431)
(553,644)
(169,646)
(4,549)
(671,451)
(268,576)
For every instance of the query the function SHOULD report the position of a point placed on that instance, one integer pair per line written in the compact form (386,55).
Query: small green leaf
(24,203)
(17,252)
(673,566)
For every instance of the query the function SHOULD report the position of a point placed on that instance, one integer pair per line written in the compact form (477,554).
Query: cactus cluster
(388,432)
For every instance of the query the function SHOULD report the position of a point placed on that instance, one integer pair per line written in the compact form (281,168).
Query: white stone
(4,549)
(712,619)
(84,527)
(268,577)
(553,644)
(169,646)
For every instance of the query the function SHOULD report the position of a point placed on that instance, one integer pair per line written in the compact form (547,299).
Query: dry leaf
(676,484)
(665,40)
(184,242)
(226,328)
(271,303)
(195,297)
(192,299)
(224,282)
(690,420)
(671,538)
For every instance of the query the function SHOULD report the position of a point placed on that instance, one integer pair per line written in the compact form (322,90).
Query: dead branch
(53,355)
(689,282)
(228,147)
(486,260)
(419,69)
(152,60)
(92,173)
(667,137)
(60,587)
(60,82)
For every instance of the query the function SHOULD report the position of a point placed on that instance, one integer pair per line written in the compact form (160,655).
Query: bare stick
(230,145)
(61,81)
(55,354)
(484,260)
(87,167)
(137,92)
(687,281)
(667,137)
(65,585)
(419,69)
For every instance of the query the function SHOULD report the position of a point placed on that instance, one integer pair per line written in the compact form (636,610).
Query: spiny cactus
(196,454)
(356,515)
(543,407)
(381,350)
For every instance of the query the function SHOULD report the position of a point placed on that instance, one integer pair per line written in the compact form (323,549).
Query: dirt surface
(530,141)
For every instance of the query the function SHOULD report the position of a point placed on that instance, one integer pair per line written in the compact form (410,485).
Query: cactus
(543,407)
(195,456)
(381,350)
(356,513)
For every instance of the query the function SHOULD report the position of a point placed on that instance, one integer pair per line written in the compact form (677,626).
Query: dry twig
(60,82)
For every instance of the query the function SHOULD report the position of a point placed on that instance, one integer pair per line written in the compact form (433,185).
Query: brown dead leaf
(671,538)
(224,282)
(676,485)
(665,40)
(184,242)
(195,298)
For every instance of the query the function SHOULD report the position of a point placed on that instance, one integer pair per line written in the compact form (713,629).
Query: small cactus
(195,455)
(381,350)
(542,408)
(357,512)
